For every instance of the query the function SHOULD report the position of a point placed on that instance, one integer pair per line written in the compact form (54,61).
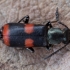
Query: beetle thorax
(55,36)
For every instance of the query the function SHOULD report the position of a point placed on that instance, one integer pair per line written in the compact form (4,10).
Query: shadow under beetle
(30,35)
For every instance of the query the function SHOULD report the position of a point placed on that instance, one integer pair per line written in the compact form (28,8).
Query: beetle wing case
(19,35)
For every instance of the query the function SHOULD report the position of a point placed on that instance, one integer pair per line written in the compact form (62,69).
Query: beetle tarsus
(30,49)
(24,19)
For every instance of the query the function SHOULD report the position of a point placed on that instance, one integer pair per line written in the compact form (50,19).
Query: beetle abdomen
(18,35)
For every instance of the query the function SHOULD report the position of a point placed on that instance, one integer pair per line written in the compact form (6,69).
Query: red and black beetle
(20,35)
(30,35)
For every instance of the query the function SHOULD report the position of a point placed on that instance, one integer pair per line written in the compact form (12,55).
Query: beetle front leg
(49,24)
(57,15)
(30,49)
(48,46)
(24,19)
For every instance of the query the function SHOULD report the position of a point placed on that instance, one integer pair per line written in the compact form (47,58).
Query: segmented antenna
(57,14)
(57,18)
(55,52)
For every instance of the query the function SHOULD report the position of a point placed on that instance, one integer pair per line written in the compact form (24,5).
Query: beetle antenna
(55,52)
(57,18)
(57,14)
(47,56)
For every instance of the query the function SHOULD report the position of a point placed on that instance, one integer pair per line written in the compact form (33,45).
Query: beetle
(23,34)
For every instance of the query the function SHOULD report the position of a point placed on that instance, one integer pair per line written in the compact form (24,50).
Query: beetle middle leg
(24,19)
(49,24)
(30,49)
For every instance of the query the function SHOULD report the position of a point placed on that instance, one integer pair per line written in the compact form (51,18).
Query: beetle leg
(49,24)
(30,49)
(24,19)
(57,19)
(48,46)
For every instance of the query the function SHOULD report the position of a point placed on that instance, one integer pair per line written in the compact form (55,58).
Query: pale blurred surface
(39,12)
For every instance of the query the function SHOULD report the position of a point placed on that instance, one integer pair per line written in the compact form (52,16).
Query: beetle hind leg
(24,19)
(49,46)
(30,49)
